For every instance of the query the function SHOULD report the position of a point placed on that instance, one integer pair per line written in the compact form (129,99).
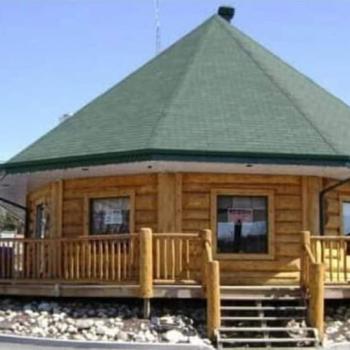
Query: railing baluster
(113,260)
(77,260)
(130,257)
(125,268)
(119,274)
(339,256)
(345,261)
(94,255)
(106,258)
(165,262)
(330,249)
(187,259)
(173,261)
(100,258)
(180,242)
(157,257)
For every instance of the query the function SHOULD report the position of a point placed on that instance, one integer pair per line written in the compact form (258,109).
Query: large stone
(5,325)
(84,323)
(101,330)
(62,327)
(72,329)
(195,340)
(78,337)
(174,336)
(38,332)
(112,332)
(122,336)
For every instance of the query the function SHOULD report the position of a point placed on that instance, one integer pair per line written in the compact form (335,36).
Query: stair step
(252,347)
(265,329)
(277,288)
(260,297)
(267,340)
(262,318)
(264,308)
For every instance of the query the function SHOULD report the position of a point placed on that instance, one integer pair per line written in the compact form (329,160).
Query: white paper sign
(113,217)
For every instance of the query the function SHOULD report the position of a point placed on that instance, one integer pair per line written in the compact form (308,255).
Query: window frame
(342,199)
(269,194)
(108,194)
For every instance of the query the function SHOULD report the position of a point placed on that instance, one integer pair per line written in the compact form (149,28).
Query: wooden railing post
(206,238)
(213,298)
(316,307)
(146,269)
(305,241)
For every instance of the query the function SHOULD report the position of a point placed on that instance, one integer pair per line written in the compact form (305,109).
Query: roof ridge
(271,78)
(163,113)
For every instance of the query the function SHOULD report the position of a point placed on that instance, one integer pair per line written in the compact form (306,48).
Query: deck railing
(85,259)
(334,253)
(144,259)
(312,280)
(176,258)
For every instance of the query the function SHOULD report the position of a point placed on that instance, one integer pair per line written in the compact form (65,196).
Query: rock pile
(337,325)
(178,322)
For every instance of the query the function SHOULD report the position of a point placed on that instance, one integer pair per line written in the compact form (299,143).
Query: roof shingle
(216,90)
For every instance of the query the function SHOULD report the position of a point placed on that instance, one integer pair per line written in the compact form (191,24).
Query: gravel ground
(337,322)
(172,321)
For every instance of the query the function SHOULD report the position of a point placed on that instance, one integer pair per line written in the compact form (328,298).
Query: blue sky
(56,55)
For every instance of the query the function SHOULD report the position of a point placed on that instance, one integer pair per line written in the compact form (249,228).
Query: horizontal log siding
(74,191)
(288,223)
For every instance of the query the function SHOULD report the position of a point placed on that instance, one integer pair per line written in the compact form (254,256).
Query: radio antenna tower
(157,18)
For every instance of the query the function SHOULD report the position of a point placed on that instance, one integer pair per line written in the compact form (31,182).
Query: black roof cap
(226,12)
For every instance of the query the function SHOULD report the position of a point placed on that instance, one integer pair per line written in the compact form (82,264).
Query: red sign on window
(244,215)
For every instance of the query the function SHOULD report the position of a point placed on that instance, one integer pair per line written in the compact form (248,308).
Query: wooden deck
(99,290)
(173,265)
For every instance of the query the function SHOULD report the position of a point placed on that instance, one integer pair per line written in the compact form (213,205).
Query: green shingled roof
(215,94)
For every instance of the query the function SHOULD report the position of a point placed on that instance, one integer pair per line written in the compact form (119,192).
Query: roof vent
(226,12)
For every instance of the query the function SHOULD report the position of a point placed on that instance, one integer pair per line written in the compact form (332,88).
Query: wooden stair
(259,317)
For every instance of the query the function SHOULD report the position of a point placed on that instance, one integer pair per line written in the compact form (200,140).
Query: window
(243,223)
(346,217)
(40,221)
(109,215)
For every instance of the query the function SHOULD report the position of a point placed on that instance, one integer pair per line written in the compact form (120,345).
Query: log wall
(182,203)
(74,191)
(283,268)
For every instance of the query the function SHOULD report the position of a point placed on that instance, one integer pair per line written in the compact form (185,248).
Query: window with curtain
(109,215)
(242,224)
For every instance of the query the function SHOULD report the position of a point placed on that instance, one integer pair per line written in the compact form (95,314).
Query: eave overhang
(178,156)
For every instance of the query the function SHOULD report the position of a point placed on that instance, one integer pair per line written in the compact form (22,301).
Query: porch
(176,259)
(162,265)
(103,266)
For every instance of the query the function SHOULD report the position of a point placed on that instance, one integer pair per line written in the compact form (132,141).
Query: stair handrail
(211,284)
(312,279)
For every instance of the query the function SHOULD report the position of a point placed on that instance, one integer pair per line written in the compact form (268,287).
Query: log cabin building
(214,171)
